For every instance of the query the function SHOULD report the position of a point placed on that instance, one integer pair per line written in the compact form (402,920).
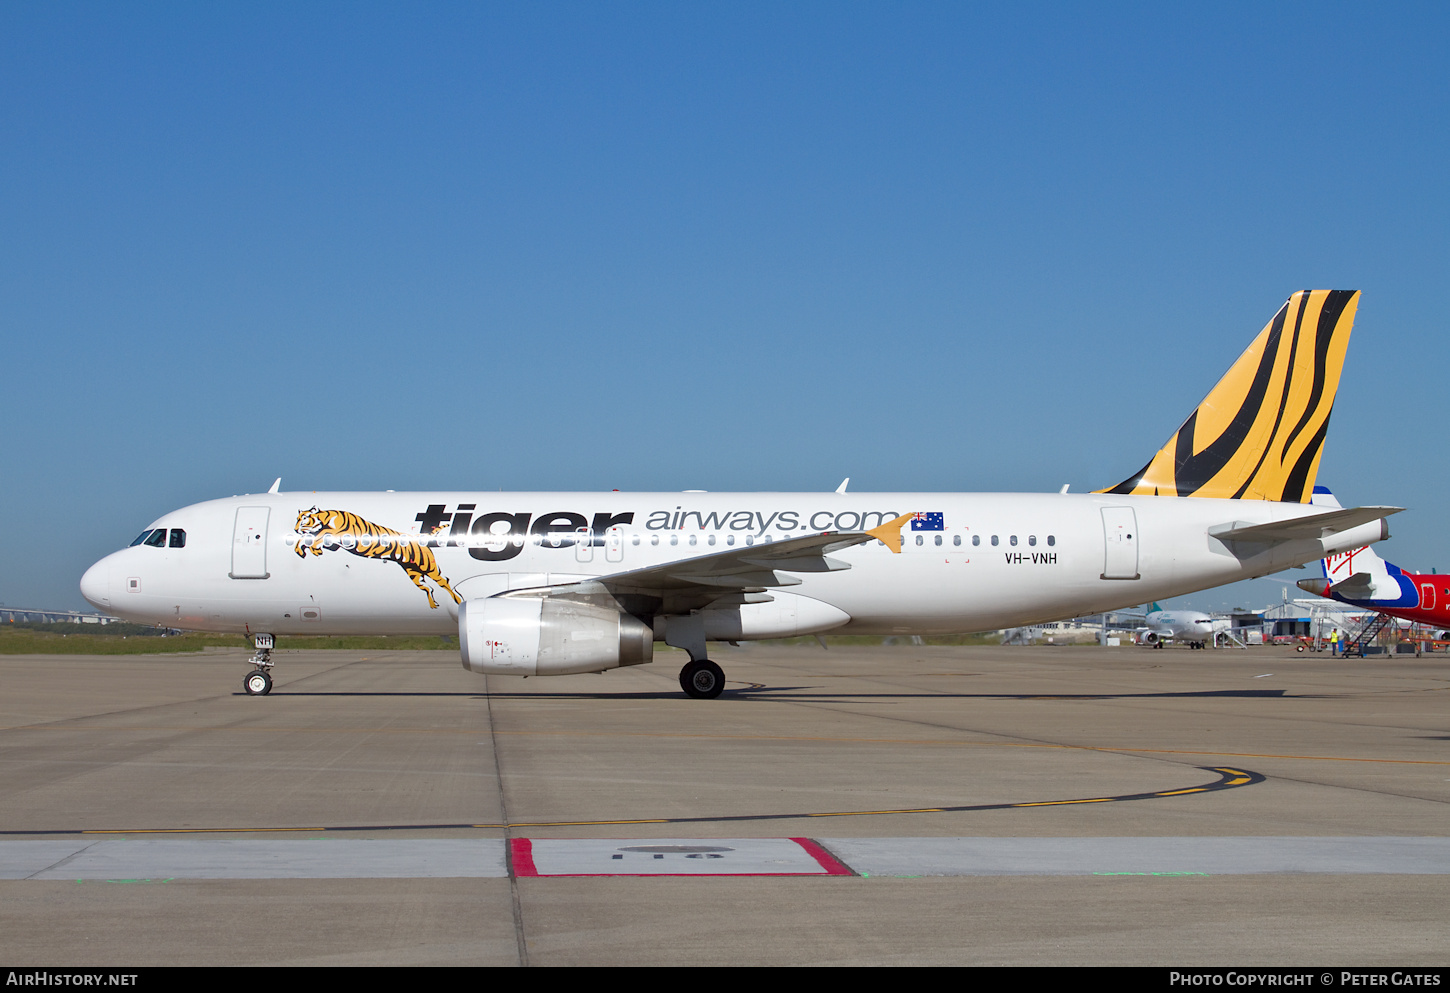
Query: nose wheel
(259,681)
(703,680)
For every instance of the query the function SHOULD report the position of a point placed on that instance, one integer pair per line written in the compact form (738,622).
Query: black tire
(257,683)
(703,680)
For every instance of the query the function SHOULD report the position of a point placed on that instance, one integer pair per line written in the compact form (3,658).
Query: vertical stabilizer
(1259,433)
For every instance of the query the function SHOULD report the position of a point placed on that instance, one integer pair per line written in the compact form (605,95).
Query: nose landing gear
(259,681)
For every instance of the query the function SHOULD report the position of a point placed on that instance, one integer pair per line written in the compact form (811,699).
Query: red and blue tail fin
(1359,576)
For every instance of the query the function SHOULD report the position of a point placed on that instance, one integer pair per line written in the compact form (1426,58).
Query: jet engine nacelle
(528,636)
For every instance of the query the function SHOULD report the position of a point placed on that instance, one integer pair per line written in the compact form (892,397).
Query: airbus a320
(555,583)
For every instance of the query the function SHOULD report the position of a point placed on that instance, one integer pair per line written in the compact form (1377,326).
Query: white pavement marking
(1141,856)
(255,858)
(22,859)
(673,857)
(411,858)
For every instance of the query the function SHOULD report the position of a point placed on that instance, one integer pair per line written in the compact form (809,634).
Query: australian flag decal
(927,522)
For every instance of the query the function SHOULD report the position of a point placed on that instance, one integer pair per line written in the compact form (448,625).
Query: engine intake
(529,636)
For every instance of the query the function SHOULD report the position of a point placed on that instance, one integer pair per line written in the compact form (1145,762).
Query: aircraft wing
(1314,526)
(730,577)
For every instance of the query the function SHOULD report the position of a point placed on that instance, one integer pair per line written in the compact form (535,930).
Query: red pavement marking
(521,852)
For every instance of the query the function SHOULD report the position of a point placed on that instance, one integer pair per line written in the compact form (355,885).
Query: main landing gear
(259,681)
(703,680)
(700,678)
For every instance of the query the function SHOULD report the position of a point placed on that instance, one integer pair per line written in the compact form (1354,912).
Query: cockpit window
(157,538)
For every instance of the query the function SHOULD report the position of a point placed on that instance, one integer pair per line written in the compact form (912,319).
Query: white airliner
(1191,627)
(554,583)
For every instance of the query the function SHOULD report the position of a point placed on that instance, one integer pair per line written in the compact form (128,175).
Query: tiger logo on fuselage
(328,529)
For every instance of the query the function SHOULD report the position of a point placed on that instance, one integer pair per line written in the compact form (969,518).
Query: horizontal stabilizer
(1360,586)
(1313,526)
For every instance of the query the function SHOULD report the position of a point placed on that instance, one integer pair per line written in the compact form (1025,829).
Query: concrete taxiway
(864,805)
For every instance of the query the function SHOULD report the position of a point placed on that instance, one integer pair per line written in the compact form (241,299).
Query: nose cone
(96,584)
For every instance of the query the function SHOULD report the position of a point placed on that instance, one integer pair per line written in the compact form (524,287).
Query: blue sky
(718,246)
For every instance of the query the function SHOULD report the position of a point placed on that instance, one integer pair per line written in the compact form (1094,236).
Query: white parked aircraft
(552,583)
(1191,627)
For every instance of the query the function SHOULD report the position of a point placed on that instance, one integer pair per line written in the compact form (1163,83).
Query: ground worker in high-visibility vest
(1334,642)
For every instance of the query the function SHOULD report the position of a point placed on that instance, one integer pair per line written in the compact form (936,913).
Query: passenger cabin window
(918,539)
(1051,540)
(957,540)
(1032,539)
(157,538)
(976,539)
(178,538)
(1012,541)
(994,541)
(938,539)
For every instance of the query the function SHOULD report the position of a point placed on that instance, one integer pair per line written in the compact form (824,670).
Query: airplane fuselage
(1433,606)
(385,563)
